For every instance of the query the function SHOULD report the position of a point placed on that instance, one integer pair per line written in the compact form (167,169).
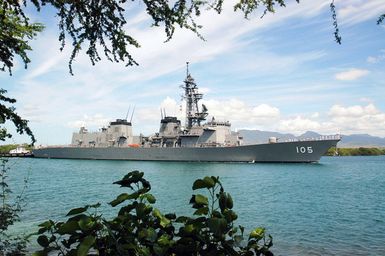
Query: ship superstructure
(171,133)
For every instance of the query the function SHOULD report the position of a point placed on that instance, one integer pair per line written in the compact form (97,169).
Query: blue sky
(281,73)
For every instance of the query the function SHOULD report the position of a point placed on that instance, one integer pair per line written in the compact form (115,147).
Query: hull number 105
(304,150)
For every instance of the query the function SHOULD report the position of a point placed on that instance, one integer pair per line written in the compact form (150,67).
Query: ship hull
(296,151)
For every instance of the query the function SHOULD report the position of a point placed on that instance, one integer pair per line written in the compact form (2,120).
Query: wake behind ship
(197,141)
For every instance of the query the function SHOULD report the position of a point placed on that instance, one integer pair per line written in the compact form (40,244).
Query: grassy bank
(361,151)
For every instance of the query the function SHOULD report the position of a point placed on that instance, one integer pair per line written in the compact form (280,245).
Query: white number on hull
(304,150)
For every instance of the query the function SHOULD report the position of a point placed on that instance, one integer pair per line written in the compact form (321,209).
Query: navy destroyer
(196,140)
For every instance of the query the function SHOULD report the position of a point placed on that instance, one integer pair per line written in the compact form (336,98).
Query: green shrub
(141,229)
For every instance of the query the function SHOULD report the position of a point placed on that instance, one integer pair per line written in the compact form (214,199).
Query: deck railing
(322,137)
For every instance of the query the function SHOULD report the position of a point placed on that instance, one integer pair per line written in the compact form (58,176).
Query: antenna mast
(132,114)
(192,96)
(128,111)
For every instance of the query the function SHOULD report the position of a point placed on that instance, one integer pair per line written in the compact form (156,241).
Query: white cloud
(171,107)
(298,125)
(352,111)
(95,121)
(241,114)
(352,74)
(315,115)
(358,119)
(355,11)
(265,111)
(376,59)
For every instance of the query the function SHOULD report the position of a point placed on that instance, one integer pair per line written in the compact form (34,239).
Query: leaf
(207,182)
(121,198)
(257,233)
(43,241)
(202,211)
(47,224)
(222,201)
(156,213)
(77,217)
(201,199)
(69,227)
(85,245)
(164,240)
(150,235)
(217,225)
(97,205)
(229,201)
(242,229)
(189,228)
(198,184)
(159,250)
(225,201)
(130,178)
(40,253)
(230,215)
(182,219)
(144,251)
(163,220)
(216,214)
(150,198)
(86,223)
(142,210)
(77,211)
(170,216)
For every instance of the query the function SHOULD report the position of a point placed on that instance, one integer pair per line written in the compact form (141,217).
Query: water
(335,207)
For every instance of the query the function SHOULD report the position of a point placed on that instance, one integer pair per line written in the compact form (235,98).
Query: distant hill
(362,140)
(347,141)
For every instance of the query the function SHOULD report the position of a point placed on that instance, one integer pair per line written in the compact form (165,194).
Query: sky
(282,73)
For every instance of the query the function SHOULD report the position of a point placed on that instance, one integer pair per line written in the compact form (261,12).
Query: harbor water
(334,207)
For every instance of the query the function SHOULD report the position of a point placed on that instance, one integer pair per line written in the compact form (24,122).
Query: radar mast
(192,96)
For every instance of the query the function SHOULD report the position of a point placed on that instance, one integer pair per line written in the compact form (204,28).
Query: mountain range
(347,141)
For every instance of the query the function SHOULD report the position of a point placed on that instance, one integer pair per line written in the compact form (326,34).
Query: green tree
(7,113)
(15,31)
(90,24)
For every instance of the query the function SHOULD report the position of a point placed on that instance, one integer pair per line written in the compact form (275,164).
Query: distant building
(19,150)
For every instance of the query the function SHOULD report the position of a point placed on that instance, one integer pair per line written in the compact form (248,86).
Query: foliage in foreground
(100,27)
(8,113)
(141,229)
(9,214)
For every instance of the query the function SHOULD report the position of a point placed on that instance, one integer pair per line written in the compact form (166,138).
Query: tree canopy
(89,24)
(8,113)
(15,31)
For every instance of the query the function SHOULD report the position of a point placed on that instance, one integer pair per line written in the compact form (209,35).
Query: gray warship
(196,141)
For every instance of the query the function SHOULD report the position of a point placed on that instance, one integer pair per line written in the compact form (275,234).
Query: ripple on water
(336,207)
